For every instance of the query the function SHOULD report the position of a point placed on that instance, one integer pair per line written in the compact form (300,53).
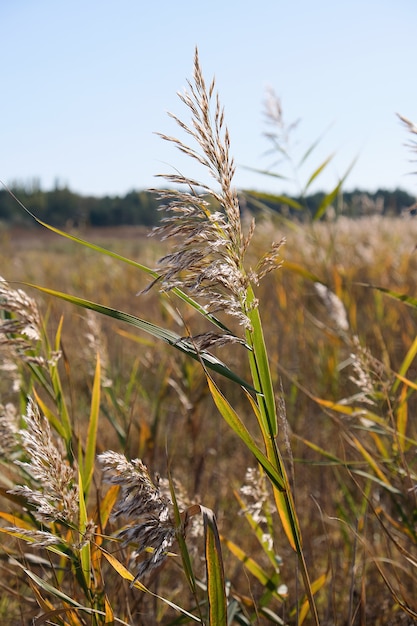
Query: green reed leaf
(402,297)
(261,374)
(311,148)
(408,359)
(90,450)
(183,344)
(215,572)
(234,421)
(85,553)
(317,172)
(330,197)
(50,589)
(277,199)
(302,271)
(265,172)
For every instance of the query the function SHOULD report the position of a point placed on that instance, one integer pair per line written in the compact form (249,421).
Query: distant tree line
(61,207)
(354,204)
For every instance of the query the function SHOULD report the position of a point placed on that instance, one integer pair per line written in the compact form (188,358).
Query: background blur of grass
(158,403)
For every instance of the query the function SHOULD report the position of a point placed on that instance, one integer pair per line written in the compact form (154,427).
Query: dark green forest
(61,207)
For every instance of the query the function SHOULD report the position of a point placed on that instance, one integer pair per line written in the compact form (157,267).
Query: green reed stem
(268,422)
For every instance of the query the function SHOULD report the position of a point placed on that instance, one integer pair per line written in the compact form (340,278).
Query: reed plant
(122,544)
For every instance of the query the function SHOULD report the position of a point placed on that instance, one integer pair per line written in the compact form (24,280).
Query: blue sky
(87,83)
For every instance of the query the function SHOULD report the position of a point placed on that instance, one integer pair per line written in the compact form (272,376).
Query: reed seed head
(208,257)
(55,497)
(8,430)
(21,326)
(255,494)
(334,306)
(369,375)
(205,220)
(22,315)
(149,512)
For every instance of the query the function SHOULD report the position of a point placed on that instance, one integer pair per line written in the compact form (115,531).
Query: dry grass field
(343,366)
(216,425)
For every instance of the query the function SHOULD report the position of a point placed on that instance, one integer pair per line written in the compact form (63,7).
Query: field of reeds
(254,468)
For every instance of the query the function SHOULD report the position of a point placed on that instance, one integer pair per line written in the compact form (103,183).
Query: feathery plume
(8,430)
(255,494)
(152,528)
(20,325)
(56,497)
(412,143)
(26,321)
(369,374)
(334,306)
(208,257)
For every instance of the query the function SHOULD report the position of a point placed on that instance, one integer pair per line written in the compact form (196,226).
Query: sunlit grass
(269,478)
(157,398)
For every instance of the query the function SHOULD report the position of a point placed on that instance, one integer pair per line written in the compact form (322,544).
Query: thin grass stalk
(261,376)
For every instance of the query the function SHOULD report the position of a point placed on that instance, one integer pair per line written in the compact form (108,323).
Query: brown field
(359,527)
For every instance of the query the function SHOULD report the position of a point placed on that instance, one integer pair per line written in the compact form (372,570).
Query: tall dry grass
(341,356)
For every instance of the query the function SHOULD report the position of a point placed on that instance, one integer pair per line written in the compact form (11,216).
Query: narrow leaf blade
(90,451)
(215,572)
(173,339)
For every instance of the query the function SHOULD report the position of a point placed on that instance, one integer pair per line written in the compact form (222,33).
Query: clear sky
(87,83)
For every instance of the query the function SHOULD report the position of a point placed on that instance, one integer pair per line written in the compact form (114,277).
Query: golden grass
(163,406)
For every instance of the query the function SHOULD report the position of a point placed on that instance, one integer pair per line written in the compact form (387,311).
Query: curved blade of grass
(277,199)
(173,339)
(90,450)
(316,585)
(109,611)
(311,148)
(124,573)
(349,465)
(317,172)
(180,521)
(15,521)
(370,461)
(105,507)
(85,554)
(302,271)
(402,297)
(261,374)
(382,483)
(215,572)
(265,172)
(332,195)
(56,381)
(406,381)
(333,460)
(265,208)
(408,359)
(328,200)
(402,419)
(57,593)
(347,410)
(253,567)
(234,421)
(61,428)
(109,617)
